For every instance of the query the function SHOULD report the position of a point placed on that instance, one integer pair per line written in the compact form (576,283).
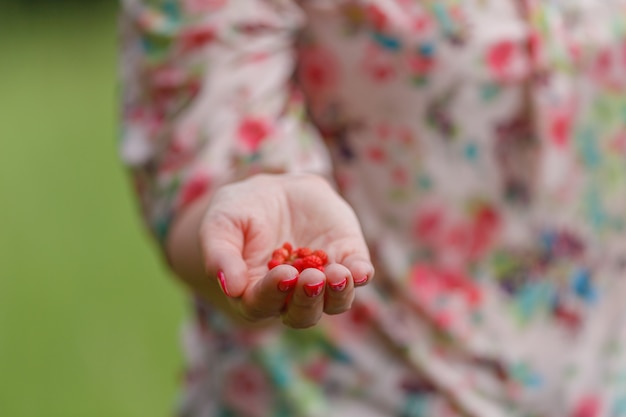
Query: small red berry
(280,253)
(299,264)
(302,252)
(274,263)
(288,247)
(322,255)
(300,258)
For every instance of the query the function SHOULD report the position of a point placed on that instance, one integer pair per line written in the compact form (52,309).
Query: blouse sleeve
(209,98)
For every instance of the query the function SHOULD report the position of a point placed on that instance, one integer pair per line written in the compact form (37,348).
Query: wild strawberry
(302,252)
(300,258)
(310,261)
(274,263)
(288,247)
(322,255)
(280,253)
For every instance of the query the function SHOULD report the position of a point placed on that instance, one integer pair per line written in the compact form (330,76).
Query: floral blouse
(482,144)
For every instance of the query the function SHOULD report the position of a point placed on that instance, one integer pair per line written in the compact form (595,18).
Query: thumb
(222,252)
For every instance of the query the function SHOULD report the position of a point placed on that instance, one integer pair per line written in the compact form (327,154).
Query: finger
(307,302)
(360,267)
(224,256)
(267,297)
(339,289)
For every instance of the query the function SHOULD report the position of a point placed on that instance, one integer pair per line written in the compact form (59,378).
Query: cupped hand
(247,220)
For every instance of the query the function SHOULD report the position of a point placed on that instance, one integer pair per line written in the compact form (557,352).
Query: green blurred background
(89,319)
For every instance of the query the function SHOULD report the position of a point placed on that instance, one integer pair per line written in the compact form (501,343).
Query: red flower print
(487,218)
(376,17)
(485,226)
(168,78)
(246,390)
(534,46)
(316,370)
(360,314)
(618,144)
(606,72)
(376,154)
(193,189)
(604,62)
(457,238)
(382,72)
(588,406)
(560,128)
(428,225)
(420,64)
(181,150)
(196,37)
(383,131)
(567,316)
(196,6)
(500,58)
(378,64)
(421,24)
(317,69)
(431,284)
(252,131)
(426,286)
(400,176)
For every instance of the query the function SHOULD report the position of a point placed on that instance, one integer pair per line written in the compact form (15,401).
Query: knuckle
(301,318)
(298,324)
(253,313)
(335,309)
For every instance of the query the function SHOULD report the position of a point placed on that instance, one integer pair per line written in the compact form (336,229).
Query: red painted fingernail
(313,290)
(222,280)
(361,281)
(340,286)
(288,284)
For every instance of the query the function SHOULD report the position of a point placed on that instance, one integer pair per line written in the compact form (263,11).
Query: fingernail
(361,281)
(222,280)
(340,286)
(313,290)
(288,284)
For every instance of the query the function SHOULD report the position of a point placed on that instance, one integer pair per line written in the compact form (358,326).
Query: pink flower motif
(400,176)
(197,6)
(181,150)
(425,285)
(618,143)
(421,24)
(561,128)
(316,370)
(429,284)
(252,131)
(428,225)
(376,154)
(457,238)
(484,229)
(193,189)
(246,390)
(420,65)
(379,65)
(377,17)
(317,69)
(588,406)
(196,37)
(501,58)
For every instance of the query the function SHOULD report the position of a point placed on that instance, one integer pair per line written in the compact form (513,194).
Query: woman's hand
(246,221)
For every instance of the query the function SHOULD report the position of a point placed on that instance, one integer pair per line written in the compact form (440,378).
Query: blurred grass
(88,317)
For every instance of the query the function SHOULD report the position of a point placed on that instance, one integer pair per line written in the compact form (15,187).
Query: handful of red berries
(300,258)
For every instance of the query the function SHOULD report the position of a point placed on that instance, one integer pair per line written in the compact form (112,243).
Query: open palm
(247,220)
